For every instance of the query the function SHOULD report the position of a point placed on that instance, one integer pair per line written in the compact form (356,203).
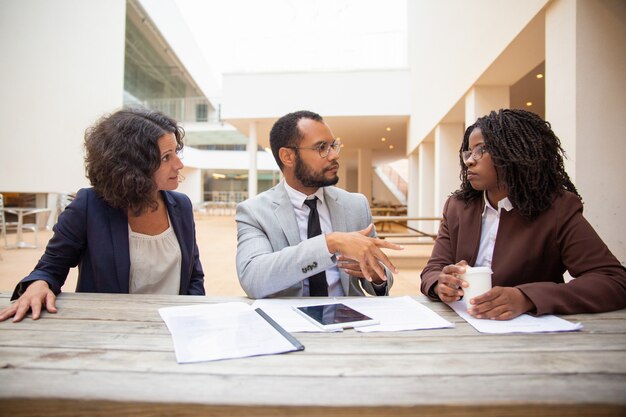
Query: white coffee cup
(479,280)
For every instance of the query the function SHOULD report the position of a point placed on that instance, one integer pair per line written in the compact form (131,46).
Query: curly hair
(122,155)
(285,131)
(527,156)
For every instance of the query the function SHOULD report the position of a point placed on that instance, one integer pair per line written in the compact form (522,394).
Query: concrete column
(343,175)
(252,169)
(426,187)
(585,102)
(448,138)
(413,188)
(365,173)
(481,100)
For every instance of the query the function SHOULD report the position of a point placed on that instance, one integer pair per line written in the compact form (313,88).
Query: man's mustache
(333,166)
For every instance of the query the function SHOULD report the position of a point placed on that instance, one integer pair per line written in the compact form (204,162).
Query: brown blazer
(532,255)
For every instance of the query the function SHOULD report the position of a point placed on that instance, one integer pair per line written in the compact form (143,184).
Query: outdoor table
(112,354)
(20,212)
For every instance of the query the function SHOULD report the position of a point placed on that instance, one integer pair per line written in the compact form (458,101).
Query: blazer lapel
(119,243)
(338,222)
(177,225)
(472,239)
(285,215)
(336,210)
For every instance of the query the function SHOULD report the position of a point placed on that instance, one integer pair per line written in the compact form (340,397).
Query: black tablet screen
(333,314)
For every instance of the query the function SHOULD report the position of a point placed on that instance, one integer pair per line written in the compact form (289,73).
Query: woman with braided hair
(518,212)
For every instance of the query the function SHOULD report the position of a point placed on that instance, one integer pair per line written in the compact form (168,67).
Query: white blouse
(155,262)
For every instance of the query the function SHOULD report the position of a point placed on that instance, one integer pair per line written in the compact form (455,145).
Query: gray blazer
(271,259)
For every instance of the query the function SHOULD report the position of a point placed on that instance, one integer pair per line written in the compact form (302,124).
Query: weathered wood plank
(331,343)
(37,407)
(322,364)
(474,390)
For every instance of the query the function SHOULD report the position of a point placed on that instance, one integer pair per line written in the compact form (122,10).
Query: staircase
(396,184)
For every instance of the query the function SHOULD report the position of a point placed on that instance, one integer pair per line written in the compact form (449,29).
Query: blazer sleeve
(441,256)
(264,268)
(599,282)
(64,250)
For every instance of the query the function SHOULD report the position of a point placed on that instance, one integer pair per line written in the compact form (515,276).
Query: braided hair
(527,156)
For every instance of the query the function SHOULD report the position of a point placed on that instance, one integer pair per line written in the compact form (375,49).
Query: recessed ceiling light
(383,139)
(390,146)
(388,129)
(539,75)
(529,103)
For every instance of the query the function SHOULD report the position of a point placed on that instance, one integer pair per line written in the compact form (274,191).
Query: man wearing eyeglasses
(305,237)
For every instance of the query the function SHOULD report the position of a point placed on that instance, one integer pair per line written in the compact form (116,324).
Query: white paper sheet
(393,313)
(282,312)
(521,324)
(397,314)
(209,332)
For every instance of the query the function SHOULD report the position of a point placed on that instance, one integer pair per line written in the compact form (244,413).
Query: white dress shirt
(302,217)
(489,229)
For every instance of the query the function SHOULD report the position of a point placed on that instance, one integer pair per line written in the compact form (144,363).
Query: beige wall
(62,67)
(586,104)
(451,44)
(456,46)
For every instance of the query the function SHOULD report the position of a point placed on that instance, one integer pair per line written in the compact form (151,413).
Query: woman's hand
(449,286)
(500,303)
(37,294)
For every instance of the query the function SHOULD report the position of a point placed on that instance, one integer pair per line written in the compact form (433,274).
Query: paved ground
(217,240)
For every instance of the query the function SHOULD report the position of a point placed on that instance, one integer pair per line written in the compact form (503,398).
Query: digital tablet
(335,316)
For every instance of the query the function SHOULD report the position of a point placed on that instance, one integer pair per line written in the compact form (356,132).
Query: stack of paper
(208,332)
(393,313)
(521,324)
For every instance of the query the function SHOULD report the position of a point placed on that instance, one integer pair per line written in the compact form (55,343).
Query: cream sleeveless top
(155,262)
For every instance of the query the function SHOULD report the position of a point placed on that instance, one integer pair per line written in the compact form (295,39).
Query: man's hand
(37,294)
(353,268)
(449,286)
(500,303)
(364,250)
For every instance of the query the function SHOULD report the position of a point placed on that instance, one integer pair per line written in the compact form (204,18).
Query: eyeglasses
(476,153)
(323,148)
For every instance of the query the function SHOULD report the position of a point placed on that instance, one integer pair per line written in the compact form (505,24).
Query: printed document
(393,313)
(397,314)
(521,324)
(208,332)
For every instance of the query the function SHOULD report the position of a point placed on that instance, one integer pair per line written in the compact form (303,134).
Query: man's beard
(312,179)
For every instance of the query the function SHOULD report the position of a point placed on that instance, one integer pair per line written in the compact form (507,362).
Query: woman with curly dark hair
(518,213)
(130,232)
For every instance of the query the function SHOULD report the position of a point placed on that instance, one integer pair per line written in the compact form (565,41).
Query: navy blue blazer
(93,235)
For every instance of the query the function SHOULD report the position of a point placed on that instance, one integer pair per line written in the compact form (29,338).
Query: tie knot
(312,203)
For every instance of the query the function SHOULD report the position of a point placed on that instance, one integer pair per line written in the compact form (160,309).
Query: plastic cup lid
(478,270)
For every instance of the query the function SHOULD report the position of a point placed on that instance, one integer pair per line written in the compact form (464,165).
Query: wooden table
(112,354)
(384,224)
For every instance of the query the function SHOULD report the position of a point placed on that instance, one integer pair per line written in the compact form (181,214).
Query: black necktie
(317,283)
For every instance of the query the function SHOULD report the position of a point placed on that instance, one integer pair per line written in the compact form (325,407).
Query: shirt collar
(505,203)
(297,198)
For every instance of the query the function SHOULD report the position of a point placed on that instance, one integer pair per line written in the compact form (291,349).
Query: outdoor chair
(10,226)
